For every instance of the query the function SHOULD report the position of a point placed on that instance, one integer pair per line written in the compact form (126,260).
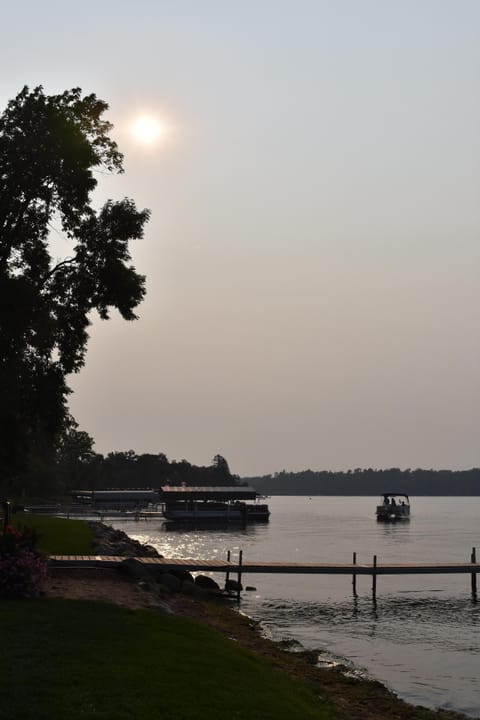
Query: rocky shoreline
(109,541)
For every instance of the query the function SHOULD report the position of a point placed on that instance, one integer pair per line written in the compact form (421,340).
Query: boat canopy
(175,493)
(388,495)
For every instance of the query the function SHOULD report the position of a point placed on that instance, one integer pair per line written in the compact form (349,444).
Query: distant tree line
(369,482)
(76,466)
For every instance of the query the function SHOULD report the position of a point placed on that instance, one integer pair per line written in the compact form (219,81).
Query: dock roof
(180,492)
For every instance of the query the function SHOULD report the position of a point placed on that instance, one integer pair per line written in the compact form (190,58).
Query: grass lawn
(58,536)
(82,660)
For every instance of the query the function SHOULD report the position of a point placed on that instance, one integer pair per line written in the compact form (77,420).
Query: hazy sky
(313,257)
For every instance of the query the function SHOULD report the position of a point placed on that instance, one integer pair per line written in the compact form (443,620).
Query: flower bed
(22,568)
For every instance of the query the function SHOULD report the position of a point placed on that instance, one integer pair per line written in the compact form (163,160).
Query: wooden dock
(222,566)
(241,567)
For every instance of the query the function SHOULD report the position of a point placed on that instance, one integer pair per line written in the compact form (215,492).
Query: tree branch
(68,261)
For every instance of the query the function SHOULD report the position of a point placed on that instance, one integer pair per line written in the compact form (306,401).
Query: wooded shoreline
(370,482)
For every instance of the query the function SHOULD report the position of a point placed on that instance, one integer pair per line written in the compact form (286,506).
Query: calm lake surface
(422,636)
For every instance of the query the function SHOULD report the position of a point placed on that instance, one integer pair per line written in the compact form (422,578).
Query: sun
(147,129)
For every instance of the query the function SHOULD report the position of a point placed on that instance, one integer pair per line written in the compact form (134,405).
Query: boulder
(169,581)
(233,586)
(134,569)
(182,575)
(188,588)
(206,582)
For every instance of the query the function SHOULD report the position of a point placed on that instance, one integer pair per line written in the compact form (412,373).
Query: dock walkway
(193,565)
(242,567)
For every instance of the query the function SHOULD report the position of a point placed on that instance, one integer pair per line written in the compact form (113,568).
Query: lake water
(422,636)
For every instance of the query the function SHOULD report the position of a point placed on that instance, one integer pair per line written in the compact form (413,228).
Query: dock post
(239,577)
(374,578)
(354,576)
(227,576)
(6,514)
(473,559)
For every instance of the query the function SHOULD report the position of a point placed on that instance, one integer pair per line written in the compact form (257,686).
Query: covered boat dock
(216,503)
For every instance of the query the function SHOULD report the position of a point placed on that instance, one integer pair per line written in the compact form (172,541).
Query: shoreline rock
(109,541)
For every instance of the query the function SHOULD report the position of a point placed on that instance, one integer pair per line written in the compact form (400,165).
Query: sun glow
(147,129)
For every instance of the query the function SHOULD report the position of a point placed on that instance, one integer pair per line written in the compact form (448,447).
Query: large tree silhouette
(50,147)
